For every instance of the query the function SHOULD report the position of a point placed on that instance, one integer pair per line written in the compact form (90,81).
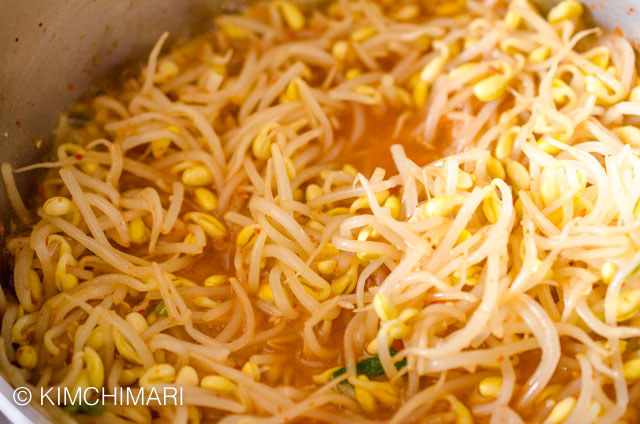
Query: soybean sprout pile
(361,212)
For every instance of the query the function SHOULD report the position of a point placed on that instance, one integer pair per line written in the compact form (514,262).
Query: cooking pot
(50,52)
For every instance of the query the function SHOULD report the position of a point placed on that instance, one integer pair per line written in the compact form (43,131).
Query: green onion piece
(161,309)
(71,409)
(371,367)
(93,410)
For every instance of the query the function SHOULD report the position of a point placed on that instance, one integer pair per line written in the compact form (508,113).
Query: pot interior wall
(50,52)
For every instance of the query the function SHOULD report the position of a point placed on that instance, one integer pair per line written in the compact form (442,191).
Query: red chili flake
(17,39)
(295,305)
(4,96)
(258,230)
(78,156)
(243,194)
(592,6)
(141,311)
(70,86)
(617,31)
(630,10)
(18,124)
(46,241)
(41,191)
(40,24)
(500,358)
(169,291)
(397,344)
(217,395)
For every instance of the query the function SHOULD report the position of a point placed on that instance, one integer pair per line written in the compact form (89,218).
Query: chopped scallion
(161,309)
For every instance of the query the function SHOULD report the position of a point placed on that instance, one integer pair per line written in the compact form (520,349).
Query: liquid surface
(383,128)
